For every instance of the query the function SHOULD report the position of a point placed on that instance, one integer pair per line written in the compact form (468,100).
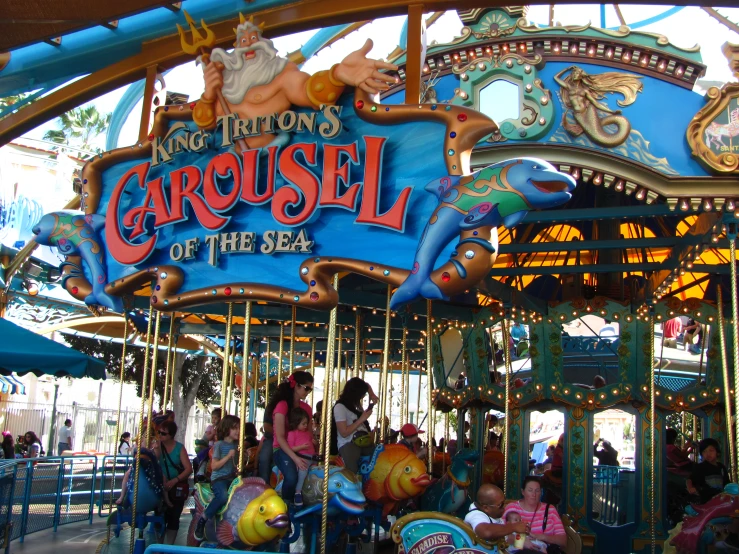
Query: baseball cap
(408,430)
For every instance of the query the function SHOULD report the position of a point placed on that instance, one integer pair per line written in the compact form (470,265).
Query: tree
(195,377)
(79,127)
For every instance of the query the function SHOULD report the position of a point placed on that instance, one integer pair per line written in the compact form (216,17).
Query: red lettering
(332,172)
(250,160)
(122,250)
(154,203)
(394,218)
(190,177)
(303,178)
(221,166)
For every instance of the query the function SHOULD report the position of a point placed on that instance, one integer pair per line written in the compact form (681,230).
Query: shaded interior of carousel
(574,319)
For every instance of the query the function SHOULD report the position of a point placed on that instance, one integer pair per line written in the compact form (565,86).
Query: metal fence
(43,493)
(94,428)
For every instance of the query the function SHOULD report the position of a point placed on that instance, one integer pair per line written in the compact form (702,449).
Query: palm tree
(79,127)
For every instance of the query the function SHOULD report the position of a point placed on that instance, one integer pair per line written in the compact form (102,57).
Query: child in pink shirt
(300,439)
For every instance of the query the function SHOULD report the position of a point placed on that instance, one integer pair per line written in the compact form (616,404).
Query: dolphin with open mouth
(500,194)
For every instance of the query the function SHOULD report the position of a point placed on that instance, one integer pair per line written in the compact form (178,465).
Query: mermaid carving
(581,94)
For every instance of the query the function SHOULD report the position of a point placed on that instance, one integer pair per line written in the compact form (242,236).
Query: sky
(686,28)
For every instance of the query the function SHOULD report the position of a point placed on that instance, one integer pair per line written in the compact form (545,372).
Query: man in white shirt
(485,515)
(65,437)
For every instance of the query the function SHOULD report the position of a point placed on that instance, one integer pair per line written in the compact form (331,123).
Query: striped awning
(11,385)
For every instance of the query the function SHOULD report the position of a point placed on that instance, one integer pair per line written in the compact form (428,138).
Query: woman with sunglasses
(289,394)
(176,469)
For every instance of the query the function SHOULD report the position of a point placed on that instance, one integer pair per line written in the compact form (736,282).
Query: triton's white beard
(240,74)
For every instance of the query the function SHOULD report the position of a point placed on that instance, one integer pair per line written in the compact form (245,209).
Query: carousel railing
(43,493)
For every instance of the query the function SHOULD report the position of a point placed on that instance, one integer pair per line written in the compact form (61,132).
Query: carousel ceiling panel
(32,21)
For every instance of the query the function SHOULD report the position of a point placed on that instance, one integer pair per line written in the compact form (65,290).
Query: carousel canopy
(23,351)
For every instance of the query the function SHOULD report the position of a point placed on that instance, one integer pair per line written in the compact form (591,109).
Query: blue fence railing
(43,493)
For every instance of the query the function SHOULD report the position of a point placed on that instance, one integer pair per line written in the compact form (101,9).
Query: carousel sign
(275,180)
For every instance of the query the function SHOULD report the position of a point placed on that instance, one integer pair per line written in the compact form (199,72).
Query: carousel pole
(165,393)
(281,352)
(255,394)
(338,366)
(731,234)
(357,342)
(385,363)
(653,442)
(733,468)
(430,383)
(403,370)
(266,374)
(312,367)
(232,376)
(118,416)
(242,412)
(506,427)
(418,399)
(226,360)
(326,435)
(292,340)
(364,360)
(153,375)
(446,443)
(141,436)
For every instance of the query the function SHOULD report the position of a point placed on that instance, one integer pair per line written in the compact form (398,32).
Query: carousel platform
(102,542)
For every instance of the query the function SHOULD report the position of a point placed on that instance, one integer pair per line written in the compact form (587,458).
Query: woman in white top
(349,423)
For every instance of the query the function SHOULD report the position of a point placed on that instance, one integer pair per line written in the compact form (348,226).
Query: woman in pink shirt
(300,440)
(546,526)
(289,394)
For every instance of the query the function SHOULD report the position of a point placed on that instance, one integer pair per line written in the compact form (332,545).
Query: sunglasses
(307,388)
(163,433)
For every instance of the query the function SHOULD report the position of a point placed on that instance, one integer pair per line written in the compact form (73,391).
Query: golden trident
(203,45)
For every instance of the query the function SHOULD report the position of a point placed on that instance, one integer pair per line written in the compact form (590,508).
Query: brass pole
(165,393)
(231,377)
(154,365)
(292,341)
(338,367)
(735,326)
(385,363)
(506,427)
(727,385)
(653,445)
(242,414)
(403,371)
(266,373)
(430,382)
(446,443)
(226,360)
(418,399)
(312,366)
(120,403)
(281,352)
(326,425)
(357,342)
(142,434)
(364,360)
(147,437)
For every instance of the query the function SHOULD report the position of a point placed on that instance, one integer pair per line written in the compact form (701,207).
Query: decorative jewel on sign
(469,254)
(227,291)
(446,277)
(360,104)
(304,271)
(163,275)
(462,117)
(154,300)
(314,296)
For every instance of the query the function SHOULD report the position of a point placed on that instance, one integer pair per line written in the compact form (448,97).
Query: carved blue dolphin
(74,233)
(500,194)
(448,494)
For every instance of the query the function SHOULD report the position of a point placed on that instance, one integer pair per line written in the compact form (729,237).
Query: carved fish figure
(397,474)
(254,514)
(344,490)
(449,493)
(500,194)
(720,506)
(74,233)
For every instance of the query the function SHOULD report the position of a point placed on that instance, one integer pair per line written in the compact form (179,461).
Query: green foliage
(110,353)
(79,127)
